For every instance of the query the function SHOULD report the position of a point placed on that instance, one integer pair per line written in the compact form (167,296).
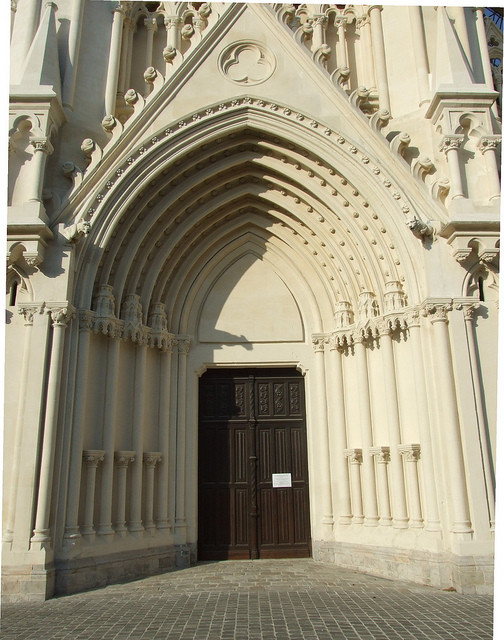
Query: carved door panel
(252,437)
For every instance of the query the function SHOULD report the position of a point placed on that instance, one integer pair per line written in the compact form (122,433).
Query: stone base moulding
(468,574)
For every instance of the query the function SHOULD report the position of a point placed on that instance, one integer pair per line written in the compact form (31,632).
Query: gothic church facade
(252,290)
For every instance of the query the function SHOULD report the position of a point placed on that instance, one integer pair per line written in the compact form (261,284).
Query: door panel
(252,425)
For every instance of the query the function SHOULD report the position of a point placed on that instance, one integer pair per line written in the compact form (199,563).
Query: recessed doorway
(253,499)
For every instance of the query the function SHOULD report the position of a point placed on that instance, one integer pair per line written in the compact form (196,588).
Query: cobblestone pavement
(255,600)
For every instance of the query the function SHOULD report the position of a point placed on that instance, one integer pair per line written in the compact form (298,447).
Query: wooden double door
(252,473)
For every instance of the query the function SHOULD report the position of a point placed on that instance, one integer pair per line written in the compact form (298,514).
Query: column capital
(86,320)
(172,21)
(468,308)
(29,310)
(150,24)
(93,457)
(489,143)
(42,144)
(412,317)
(450,142)
(411,452)
(151,458)
(437,311)
(61,313)
(183,344)
(123,458)
(382,454)
(362,21)
(354,455)
(319,340)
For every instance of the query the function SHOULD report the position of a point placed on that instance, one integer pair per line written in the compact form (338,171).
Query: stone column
(184,345)
(394,429)
(151,26)
(114,59)
(323,489)
(340,23)
(13,15)
(449,420)
(411,454)
(450,146)
(122,460)
(486,456)
(484,57)
(319,24)
(382,457)
(60,317)
(368,473)
(109,417)
(26,27)
(431,504)
(74,39)
(379,56)
(336,396)
(92,459)
(28,311)
(150,460)
(164,438)
(488,147)
(135,524)
(173,41)
(366,55)
(42,148)
(420,52)
(72,533)
(355,459)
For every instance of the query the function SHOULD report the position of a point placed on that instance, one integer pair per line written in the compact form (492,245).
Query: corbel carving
(400,143)
(339,76)
(359,96)
(76,231)
(420,229)
(92,152)
(379,120)
(422,167)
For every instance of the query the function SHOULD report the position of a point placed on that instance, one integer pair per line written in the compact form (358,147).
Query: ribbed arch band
(177,205)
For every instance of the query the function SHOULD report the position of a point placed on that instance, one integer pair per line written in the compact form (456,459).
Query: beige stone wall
(314,188)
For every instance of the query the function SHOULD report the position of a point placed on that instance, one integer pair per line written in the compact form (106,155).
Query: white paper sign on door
(281,480)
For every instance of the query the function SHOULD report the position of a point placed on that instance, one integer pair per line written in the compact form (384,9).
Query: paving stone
(255,600)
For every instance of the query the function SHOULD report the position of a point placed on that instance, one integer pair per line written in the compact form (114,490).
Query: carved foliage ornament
(247,63)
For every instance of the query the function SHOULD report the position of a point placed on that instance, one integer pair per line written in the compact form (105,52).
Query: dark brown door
(252,471)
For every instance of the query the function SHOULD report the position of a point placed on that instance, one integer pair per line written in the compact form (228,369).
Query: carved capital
(354,455)
(123,458)
(183,344)
(86,320)
(93,457)
(381,454)
(468,308)
(437,311)
(318,342)
(42,144)
(151,458)
(61,315)
(172,22)
(150,24)
(362,21)
(450,142)
(489,143)
(410,452)
(412,317)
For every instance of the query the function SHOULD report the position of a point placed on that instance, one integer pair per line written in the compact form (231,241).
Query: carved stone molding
(318,342)
(247,63)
